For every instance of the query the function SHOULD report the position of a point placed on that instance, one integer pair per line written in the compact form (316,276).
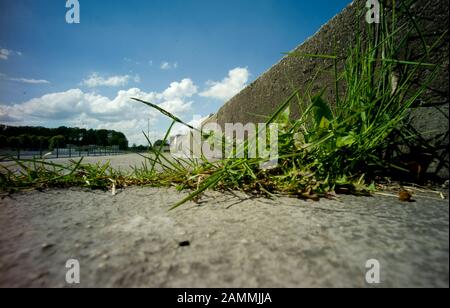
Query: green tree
(44,142)
(102,137)
(3,141)
(120,140)
(14,142)
(90,138)
(158,143)
(34,142)
(25,141)
(29,136)
(57,142)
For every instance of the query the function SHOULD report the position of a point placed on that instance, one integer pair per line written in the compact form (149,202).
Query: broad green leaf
(321,110)
(345,141)
(324,123)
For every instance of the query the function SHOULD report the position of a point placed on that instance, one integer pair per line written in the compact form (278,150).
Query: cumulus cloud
(176,106)
(95,80)
(168,66)
(230,86)
(185,88)
(91,110)
(24,80)
(6,118)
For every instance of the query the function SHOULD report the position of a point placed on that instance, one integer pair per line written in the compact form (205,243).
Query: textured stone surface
(132,240)
(272,88)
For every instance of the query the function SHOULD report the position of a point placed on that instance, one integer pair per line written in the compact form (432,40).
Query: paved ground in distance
(119,162)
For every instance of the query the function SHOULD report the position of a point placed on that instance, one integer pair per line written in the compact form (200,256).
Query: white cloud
(95,80)
(185,88)
(5,118)
(176,106)
(30,81)
(168,66)
(131,61)
(6,53)
(165,66)
(24,80)
(90,110)
(230,86)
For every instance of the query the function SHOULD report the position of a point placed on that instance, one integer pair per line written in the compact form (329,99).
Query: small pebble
(185,244)
(405,196)
(46,246)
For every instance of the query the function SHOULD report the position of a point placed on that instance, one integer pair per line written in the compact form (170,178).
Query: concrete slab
(228,240)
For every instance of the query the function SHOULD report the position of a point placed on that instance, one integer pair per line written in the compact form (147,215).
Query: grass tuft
(345,146)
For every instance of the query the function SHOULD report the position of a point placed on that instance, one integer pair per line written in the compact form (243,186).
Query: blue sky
(189,56)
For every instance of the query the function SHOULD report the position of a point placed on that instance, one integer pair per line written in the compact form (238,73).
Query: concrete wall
(265,94)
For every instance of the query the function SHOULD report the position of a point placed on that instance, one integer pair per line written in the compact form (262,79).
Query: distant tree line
(156,146)
(139,148)
(35,138)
